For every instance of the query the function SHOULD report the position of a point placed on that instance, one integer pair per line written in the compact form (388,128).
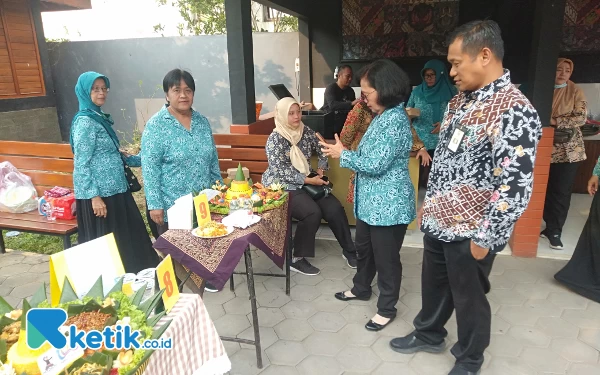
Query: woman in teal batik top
(431,97)
(384,199)
(104,203)
(179,155)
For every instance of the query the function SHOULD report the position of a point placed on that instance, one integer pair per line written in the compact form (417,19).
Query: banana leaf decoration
(3,351)
(150,304)
(101,359)
(118,286)
(68,292)
(97,291)
(137,297)
(39,296)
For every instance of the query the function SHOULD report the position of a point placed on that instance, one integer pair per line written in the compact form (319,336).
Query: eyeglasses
(97,90)
(179,92)
(430,75)
(369,94)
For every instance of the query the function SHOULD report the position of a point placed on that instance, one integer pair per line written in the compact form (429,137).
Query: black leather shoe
(343,297)
(372,326)
(459,370)
(411,344)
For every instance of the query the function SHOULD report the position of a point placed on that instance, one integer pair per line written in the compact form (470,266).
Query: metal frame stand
(256,342)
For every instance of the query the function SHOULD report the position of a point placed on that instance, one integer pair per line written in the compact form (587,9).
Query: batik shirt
(597,168)
(177,161)
(424,123)
(481,190)
(280,167)
(383,192)
(98,166)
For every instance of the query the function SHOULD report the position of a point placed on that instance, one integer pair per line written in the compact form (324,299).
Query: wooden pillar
(545,49)
(304,53)
(241,61)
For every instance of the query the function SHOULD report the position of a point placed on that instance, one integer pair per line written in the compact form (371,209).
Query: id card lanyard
(459,131)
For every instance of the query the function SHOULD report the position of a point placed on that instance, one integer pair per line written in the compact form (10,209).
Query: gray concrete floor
(538,327)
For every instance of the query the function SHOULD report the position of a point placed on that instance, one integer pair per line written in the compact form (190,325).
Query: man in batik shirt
(480,184)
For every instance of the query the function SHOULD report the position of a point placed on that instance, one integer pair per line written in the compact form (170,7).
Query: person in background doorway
(480,184)
(569,112)
(104,203)
(289,149)
(179,155)
(340,98)
(384,204)
(582,273)
(431,98)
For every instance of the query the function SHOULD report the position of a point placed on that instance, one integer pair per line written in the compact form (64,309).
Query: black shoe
(350,259)
(304,267)
(459,370)
(411,344)
(374,327)
(210,288)
(343,297)
(554,239)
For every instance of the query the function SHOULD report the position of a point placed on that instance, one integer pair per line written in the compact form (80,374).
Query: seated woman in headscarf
(104,203)
(431,97)
(356,126)
(569,113)
(582,273)
(289,148)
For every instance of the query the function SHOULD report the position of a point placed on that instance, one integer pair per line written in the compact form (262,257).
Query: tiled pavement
(538,326)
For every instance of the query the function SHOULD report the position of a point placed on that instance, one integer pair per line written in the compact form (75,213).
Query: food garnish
(10,334)
(211,229)
(7,369)
(14,315)
(88,321)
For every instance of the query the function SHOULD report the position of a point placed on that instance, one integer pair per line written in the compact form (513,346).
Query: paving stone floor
(539,327)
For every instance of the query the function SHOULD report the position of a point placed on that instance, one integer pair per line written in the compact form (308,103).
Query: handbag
(317,192)
(563,135)
(133,184)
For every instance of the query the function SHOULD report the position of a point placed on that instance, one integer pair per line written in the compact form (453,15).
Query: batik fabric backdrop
(396,28)
(581,29)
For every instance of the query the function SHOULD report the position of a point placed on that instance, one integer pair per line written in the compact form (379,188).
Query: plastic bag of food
(17,193)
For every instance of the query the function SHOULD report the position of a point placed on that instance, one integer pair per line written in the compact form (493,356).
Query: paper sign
(180,215)
(55,361)
(202,211)
(168,282)
(83,265)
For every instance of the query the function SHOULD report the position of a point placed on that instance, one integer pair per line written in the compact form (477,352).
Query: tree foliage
(207,17)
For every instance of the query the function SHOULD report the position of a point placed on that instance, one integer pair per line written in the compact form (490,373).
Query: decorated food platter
(241,194)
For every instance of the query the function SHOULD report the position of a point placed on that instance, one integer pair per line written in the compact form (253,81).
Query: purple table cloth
(214,260)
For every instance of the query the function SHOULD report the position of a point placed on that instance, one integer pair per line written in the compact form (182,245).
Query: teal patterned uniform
(597,168)
(384,194)
(177,161)
(424,123)
(98,170)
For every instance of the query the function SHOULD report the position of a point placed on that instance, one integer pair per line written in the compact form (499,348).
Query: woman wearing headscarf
(569,112)
(289,148)
(104,203)
(582,273)
(431,97)
(356,126)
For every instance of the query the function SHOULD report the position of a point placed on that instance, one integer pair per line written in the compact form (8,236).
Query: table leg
(2,245)
(251,291)
(288,262)
(231,284)
(66,242)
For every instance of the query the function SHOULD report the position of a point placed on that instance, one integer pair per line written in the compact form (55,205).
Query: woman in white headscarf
(289,149)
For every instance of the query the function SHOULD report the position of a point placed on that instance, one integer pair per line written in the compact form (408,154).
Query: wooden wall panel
(20,72)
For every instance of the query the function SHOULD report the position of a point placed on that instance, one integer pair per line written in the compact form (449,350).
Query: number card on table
(168,282)
(202,210)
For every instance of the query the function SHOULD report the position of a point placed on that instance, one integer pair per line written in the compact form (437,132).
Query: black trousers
(453,280)
(157,230)
(378,251)
(309,213)
(424,171)
(558,196)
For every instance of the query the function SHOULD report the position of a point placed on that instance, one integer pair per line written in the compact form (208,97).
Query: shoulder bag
(317,192)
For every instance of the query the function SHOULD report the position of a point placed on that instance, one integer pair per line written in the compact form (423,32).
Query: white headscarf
(292,134)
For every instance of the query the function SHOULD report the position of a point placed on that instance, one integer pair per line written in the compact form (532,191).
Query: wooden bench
(48,165)
(249,150)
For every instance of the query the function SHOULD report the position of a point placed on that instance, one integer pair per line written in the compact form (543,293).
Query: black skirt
(582,273)
(124,220)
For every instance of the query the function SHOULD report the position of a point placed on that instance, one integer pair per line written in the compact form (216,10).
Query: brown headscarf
(293,135)
(566,97)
